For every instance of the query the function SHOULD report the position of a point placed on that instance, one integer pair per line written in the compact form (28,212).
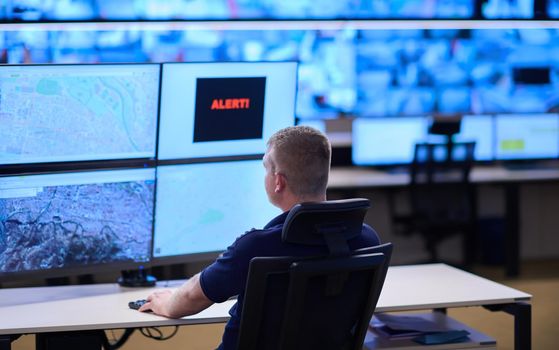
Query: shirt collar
(278,220)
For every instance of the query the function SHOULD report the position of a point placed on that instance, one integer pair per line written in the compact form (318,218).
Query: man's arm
(188,299)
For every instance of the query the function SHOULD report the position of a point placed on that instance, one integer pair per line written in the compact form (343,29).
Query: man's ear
(280,183)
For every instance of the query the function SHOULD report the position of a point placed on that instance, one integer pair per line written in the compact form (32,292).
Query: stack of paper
(420,329)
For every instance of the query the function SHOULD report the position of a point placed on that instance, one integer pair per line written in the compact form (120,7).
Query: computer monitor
(76,222)
(201,208)
(386,141)
(62,113)
(520,137)
(500,9)
(224,109)
(318,124)
(477,128)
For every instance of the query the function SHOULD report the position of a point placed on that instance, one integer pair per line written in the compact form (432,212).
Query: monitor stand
(136,278)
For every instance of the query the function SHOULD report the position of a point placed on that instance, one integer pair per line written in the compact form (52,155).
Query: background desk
(355,178)
(105,306)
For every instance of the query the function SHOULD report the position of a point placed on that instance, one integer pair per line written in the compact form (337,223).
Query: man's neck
(288,204)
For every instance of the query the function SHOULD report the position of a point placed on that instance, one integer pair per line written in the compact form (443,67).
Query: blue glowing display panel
(33,10)
(527,136)
(391,141)
(477,128)
(60,113)
(370,73)
(387,141)
(318,124)
(553,8)
(224,109)
(202,208)
(501,9)
(75,220)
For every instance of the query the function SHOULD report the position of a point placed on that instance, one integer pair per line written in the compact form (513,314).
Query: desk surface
(417,287)
(105,306)
(85,307)
(355,177)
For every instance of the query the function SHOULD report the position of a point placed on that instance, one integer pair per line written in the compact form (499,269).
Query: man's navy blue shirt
(227,276)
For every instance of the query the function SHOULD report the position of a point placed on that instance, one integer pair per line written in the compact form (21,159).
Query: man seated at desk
(297,163)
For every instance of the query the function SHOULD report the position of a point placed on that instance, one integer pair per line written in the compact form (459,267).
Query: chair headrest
(321,223)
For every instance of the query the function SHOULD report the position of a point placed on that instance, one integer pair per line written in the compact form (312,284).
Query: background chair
(442,198)
(323,302)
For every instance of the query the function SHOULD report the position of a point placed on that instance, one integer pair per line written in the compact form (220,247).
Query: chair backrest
(442,162)
(330,223)
(440,185)
(326,302)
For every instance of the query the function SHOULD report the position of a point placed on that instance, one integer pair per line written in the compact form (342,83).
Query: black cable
(107,345)
(154,333)
(104,340)
(123,338)
(148,332)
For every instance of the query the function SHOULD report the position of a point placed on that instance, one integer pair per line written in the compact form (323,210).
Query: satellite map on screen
(46,225)
(72,115)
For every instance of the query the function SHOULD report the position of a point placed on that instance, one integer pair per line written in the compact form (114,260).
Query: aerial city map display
(66,113)
(75,219)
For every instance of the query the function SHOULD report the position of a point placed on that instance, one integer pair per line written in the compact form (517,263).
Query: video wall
(344,71)
(34,10)
(64,10)
(112,166)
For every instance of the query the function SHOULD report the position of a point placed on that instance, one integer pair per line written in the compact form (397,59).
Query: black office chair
(327,301)
(442,198)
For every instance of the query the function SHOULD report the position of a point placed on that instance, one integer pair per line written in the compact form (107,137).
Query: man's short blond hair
(302,154)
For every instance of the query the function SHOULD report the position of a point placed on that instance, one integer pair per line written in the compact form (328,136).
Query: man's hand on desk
(158,302)
(186,300)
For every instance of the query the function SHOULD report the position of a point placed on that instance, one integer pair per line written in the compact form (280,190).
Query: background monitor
(59,113)
(501,9)
(478,128)
(203,207)
(53,223)
(387,141)
(527,136)
(224,109)
(318,124)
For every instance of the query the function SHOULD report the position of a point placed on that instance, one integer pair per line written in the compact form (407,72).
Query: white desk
(432,286)
(355,178)
(86,307)
(105,306)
